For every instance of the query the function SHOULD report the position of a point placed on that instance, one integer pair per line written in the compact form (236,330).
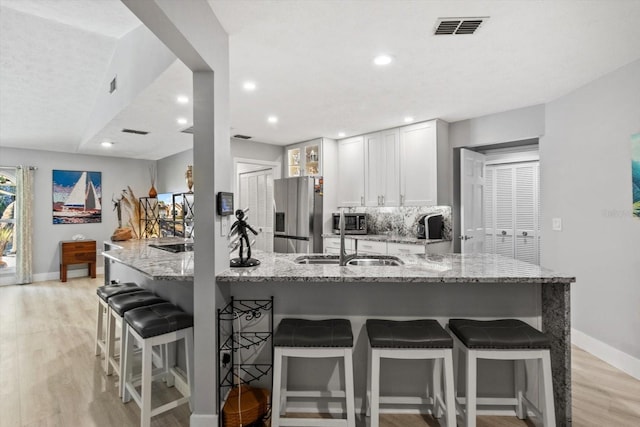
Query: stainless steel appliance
(354,223)
(298,215)
(430,227)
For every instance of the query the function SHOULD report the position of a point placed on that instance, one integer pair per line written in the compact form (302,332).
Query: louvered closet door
(526,212)
(512,208)
(489,213)
(504,211)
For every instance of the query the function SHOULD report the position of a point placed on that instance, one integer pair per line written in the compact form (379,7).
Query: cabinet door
(418,165)
(304,159)
(389,165)
(382,168)
(405,248)
(373,175)
(371,247)
(351,172)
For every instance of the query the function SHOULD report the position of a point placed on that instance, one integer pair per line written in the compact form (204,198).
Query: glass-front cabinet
(304,159)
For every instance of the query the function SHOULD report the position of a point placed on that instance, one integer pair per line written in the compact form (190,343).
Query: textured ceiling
(312,62)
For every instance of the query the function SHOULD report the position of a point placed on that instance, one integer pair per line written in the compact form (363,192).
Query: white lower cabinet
(332,245)
(369,247)
(404,248)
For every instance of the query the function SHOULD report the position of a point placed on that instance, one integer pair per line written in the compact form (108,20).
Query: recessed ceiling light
(182,121)
(341,134)
(182,99)
(408,119)
(272,119)
(106,144)
(382,60)
(249,86)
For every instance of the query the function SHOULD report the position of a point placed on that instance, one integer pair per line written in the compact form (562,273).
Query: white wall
(171,172)
(257,151)
(585,160)
(117,174)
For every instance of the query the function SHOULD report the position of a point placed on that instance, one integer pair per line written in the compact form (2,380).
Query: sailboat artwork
(77,197)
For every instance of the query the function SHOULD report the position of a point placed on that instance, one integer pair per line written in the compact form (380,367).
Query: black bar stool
(104,293)
(505,339)
(150,326)
(312,339)
(118,306)
(412,339)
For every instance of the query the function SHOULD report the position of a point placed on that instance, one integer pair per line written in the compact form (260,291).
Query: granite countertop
(154,263)
(390,238)
(448,268)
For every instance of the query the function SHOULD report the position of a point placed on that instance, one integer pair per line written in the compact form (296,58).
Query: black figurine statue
(240,227)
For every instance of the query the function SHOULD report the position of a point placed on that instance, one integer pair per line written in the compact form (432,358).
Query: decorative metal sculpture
(239,229)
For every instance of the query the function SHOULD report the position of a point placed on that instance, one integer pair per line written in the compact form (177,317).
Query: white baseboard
(611,355)
(55,275)
(203,420)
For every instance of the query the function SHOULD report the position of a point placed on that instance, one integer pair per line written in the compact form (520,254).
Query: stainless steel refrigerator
(298,215)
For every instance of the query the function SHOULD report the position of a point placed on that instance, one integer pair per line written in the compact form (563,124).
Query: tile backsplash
(403,221)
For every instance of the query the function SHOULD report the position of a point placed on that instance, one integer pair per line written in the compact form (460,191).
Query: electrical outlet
(556,224)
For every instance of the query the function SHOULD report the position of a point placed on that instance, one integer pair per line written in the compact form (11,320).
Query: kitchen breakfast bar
(440,287)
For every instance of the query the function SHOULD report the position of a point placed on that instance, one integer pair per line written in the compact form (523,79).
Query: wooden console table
(77,252)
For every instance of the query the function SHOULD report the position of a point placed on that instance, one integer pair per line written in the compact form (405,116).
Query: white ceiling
(312,62)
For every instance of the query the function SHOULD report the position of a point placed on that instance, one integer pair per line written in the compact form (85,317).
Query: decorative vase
(189,178)
(152,192)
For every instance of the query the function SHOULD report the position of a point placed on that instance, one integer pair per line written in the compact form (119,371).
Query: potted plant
(6,234)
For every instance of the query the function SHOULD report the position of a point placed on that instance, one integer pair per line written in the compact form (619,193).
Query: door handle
(378,200)
(463,237)
(402,199)
(361,200)
(382,200)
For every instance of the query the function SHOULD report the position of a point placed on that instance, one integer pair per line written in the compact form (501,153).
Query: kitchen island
(168,274)
(479,286)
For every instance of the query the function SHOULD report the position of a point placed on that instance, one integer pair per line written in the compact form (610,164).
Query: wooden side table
(77,252)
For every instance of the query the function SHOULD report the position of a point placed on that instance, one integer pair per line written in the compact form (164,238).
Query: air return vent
(188,130)
(449,26)
(137,132)
(242,136)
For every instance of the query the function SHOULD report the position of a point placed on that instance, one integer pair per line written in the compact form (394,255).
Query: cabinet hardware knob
(504,233)
(525,234)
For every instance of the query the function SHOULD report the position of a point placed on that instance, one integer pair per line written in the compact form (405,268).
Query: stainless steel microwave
(354,223)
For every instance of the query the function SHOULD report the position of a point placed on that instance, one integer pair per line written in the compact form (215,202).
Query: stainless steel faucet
(344,258)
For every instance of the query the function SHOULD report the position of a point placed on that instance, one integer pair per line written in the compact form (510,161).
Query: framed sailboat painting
(77,197)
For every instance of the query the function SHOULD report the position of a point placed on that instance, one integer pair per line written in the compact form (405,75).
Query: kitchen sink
(362,260)
(381,260)
(318,259)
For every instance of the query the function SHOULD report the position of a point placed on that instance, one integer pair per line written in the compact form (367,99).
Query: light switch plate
(556,224)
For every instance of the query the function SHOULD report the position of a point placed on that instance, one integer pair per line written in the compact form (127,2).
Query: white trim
(617,358)
(203,420)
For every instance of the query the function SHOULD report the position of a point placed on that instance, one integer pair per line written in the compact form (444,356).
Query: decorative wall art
(77,197)
(635,173)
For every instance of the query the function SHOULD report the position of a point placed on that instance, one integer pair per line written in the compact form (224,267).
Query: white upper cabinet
(351,159)
(304,159)
(418,165)
(382,168)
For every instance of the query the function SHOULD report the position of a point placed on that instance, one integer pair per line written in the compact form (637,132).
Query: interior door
(471,201)
(256,193)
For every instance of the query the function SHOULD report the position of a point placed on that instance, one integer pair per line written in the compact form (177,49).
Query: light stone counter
(154,263)
(448,268)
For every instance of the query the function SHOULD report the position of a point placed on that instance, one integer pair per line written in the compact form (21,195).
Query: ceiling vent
(188,130)
(448,26)
(242,136)
(137,132)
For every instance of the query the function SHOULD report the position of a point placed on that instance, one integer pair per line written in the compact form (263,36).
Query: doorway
(254,187)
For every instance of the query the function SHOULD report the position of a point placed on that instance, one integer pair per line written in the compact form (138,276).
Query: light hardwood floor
(50,377)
